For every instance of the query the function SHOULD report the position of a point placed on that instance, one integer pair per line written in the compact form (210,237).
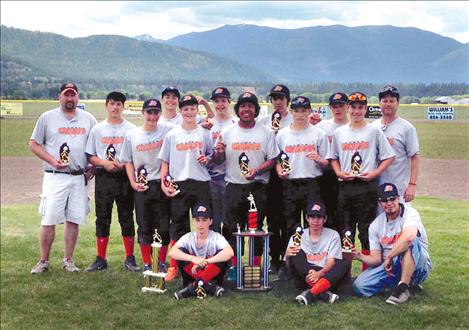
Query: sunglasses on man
(389,199)
(357,97)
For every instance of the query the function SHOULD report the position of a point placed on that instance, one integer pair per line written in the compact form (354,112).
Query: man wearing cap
(221,98)
(316,259)
(305,148)
(279,119)
(360,153)
(140,155)
(202,256)
(59,139)
(103,146)
(399,255)
(185,155)
(338,104)
(403,138)
(251,146)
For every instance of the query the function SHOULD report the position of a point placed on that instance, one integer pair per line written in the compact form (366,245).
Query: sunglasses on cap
(356,97)
(389,199)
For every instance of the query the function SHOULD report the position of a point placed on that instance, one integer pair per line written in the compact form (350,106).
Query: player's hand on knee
(314,276)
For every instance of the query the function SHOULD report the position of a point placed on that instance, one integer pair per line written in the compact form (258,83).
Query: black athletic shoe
(147,267)
(305,298)
(98,264)
(399,295)
(214,290)
(131,265)
(329,297)
(188,291)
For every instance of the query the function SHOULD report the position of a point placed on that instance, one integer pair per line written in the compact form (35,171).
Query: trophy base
(261,289)
(153,274)
(152,290)
(346,251)
(356,174)
(177,192)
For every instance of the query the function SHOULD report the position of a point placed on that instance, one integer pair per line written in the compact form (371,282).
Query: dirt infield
(22,178)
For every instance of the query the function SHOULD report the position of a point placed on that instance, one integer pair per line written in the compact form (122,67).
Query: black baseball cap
(170,89)
(357,97)
(67,87)
(280,90)
(151,104)
(116,96)
(388,90)
(387,190)
(300,102)
(188,99)
(339,97)
(220,92)
(316,209)
(201,210)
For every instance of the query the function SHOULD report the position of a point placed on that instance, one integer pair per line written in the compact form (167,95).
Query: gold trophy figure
(296,237)
(142,174)
(154,280)
(243,162)
(64,153)
(285,163)
(356,163)
(200,291)
(276,120)
(170,183)
(111,153)
(347,244)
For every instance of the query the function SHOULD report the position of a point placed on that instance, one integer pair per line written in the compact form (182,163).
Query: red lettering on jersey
(149,146)
(300,148)
(188,146)
(316,257)
(72,131)
(112,140)
(391,140)
(354,146)
(246,146)
(389,240)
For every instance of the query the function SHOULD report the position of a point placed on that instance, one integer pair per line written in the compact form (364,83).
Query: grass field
(112,299)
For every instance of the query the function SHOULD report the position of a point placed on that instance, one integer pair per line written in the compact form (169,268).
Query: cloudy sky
(164,20)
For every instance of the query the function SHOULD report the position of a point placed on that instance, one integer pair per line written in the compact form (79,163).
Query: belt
(79,172)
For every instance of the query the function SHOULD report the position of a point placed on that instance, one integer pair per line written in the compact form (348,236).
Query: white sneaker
(329,297)
(41,267)
(69,266)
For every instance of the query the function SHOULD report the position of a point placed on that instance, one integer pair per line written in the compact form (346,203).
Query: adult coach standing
(402,136)
(59,139)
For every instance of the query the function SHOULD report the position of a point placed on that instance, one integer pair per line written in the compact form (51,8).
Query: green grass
(112,299)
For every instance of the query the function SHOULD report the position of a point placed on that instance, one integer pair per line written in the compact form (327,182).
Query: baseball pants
(275,217)
(217,193)
(329,194)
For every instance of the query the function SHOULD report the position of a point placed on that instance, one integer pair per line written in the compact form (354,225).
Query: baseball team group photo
(196,202)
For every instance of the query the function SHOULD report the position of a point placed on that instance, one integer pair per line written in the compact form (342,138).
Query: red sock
(257,260)
(128,245)
(101,246)
(172,262)
(145,249)
(163,253)
(366,253)
(210,272)
(234,261)
(322,285)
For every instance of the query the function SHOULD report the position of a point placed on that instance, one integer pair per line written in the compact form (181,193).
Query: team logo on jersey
(285,162)
(243,161)
(276,116)
(356,163)
(64,153)
(111,152)
(142,174)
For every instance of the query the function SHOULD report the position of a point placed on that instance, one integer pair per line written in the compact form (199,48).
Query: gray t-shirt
(369,142)
(284,122)
(215,131)
(177,120)
(297,145)
(106,138)
(317,252)
(383,234)
(329,126)
(141,148)
(181,148)
(258,143)
(403,138)
(213,244)
(53,129)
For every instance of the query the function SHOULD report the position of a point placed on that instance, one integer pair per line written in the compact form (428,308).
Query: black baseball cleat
(329,297)
(131,265)
(214,290)
(98,264)
(147,267)
(399,295)
(188,291)
(305,298)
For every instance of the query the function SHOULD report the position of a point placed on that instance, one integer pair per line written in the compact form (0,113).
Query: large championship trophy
(154,280)
(243,162)
(356,163)
(285,163)
(248,277)
(170,183)
(276,120)
(64,154)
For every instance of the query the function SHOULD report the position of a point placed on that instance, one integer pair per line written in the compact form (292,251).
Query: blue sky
(167,19)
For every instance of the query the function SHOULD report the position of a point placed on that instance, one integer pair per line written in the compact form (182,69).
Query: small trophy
(154,280)
(142,174)
(111,153)
(347,244)
(276,120)
(200,291)
(64,153)
(252,219)
(285,163)
(356,163)
(243,161)
(170,183)
(296,237)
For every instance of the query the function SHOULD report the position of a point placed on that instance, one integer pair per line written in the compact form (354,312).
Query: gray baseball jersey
(284,122)
(403,138)
(369,142)
(215,131)
(105,136)
(258,143)
(177,120)
(329,126)
(317,252)
(297,145)
(181,148)
(383,234)
(53,129)
(141,148)
(213,244)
